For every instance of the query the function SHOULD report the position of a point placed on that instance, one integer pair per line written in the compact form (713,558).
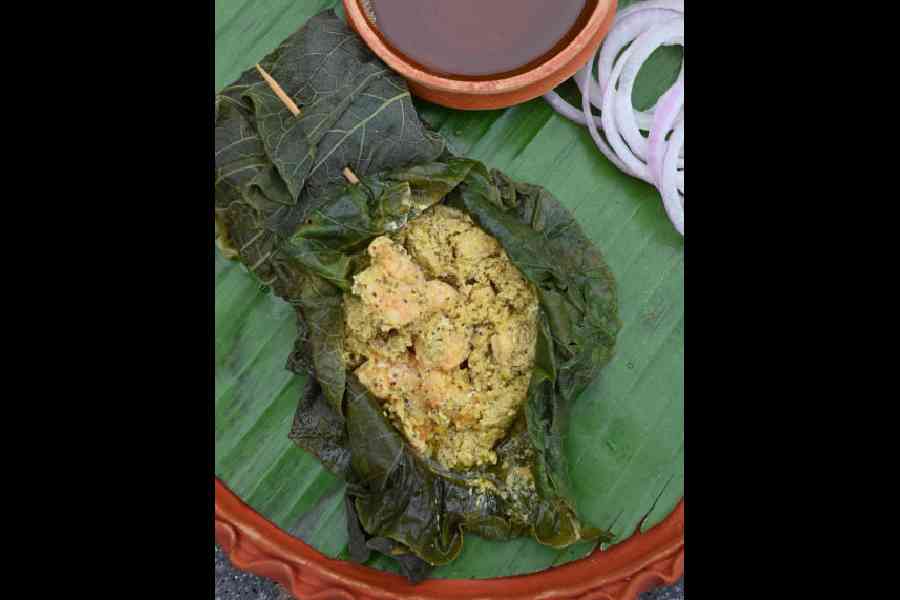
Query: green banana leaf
(626,441)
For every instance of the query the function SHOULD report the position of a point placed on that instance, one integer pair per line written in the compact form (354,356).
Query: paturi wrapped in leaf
(286,212)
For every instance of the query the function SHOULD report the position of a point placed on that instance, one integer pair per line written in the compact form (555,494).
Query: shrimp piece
(391,285)
(441,345)
(475,244)
(436,388)
(396,303)
(399,306)
(389,380)
(503,344)
(394,261)
(513,346)
(439,295)
(447,402)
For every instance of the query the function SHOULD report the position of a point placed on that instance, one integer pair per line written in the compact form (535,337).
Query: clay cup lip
(536,81)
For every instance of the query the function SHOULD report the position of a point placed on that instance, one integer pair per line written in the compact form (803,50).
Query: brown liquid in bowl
(479,38)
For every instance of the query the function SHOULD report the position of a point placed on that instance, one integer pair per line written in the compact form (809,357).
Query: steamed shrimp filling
(441,327)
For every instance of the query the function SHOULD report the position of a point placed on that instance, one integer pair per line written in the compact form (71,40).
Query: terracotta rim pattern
(493,93)
(254,544)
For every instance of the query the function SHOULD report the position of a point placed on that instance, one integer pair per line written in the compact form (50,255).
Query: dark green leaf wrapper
(270,164)
(284,210)
(398,494)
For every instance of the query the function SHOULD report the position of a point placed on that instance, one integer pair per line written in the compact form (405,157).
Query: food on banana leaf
(510,311)
(441,327)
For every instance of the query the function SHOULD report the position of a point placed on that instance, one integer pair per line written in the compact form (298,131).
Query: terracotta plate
(641,562)
(254,544)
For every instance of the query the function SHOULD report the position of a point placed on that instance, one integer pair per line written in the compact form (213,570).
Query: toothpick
(350,176)
(291,106)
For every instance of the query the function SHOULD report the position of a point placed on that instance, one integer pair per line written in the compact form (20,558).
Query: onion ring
(658,159)
(641,49)
(672,200)
(592,128)
(671,105)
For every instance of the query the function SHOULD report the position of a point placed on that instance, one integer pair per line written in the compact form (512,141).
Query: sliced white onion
(659,159)
(668,111)
(644,45)
(592,127)
(624,31)
(567,110)
(611,128)
(672,200)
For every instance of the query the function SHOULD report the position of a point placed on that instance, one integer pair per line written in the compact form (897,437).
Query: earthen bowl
(491,93)
(643,561)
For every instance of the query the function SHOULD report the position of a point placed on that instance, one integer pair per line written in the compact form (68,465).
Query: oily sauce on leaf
(478,38)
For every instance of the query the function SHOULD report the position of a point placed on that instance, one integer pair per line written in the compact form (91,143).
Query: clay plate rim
(548,70)
(254,544)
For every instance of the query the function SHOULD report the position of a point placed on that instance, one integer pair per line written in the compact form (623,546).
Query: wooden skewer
(291,105)
(350,176)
